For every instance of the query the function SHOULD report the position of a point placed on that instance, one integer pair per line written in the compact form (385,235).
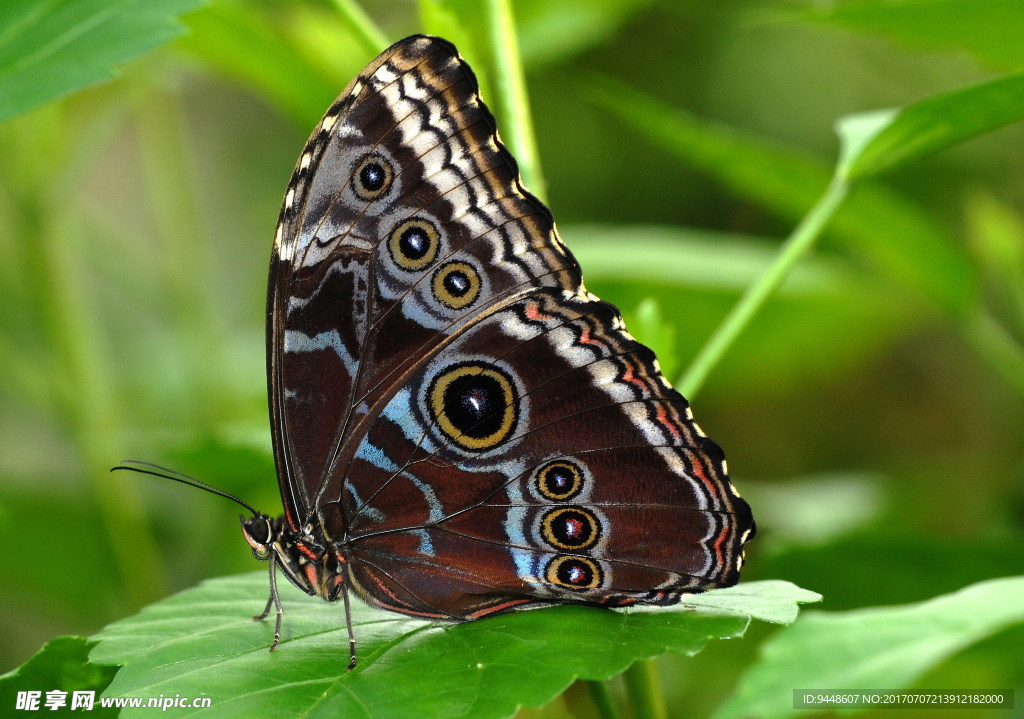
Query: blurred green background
(872,414)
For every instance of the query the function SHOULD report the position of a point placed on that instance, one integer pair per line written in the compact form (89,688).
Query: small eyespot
(559,481)
(475,405)
(572,528)
(456,285)
(576,573)
(414,244)
(373,177)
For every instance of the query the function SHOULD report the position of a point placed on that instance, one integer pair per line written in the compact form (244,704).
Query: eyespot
(572,528)
(559,481)
(456,285)
(373,177)
(414,244)
(476,405)
(576,573)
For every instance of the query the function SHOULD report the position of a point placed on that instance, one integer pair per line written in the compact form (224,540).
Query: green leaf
(51,49)
(202,642)
(61,665)
(769,600)
(879,141)
(990,30)
(872,649)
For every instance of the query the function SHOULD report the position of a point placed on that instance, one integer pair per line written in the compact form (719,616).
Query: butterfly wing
(473,428)
(539,457)
(404,218)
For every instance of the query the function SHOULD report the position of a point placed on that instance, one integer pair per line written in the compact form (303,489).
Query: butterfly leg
(351,634)
(266,611)
(274,600)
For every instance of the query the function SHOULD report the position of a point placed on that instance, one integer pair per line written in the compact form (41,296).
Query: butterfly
(460,427)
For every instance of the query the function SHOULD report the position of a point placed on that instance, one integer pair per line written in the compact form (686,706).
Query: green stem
(362,26)
(513,107)
(645,692)
(601,695)
(754,297)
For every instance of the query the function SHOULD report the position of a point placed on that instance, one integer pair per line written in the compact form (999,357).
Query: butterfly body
(461,428)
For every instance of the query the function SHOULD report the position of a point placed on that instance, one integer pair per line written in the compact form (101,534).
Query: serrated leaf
(202,643)
(880,648)
(770,600)
(881,140)
(50,49)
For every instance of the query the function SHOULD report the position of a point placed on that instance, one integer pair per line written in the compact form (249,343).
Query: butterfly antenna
(134,465)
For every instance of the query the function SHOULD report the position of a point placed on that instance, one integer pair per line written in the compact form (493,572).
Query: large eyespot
(576,573)
(373,177)
(474,404)
(572,528)
(414,244)
(456,285)
(559,481)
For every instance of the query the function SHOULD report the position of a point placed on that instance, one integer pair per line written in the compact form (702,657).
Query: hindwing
(538,456)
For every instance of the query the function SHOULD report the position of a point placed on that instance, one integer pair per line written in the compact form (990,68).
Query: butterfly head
(304,557)
(259,533)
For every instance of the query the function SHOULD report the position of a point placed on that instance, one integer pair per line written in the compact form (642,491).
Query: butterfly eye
(577,573)
(373,177)
(571,528)
(559,481)
(258,534)
(414,244)
(475,405)
(456,285)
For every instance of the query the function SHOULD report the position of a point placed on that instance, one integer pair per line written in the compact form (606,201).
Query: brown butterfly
(460,428)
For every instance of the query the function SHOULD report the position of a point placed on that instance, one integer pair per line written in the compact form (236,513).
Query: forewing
(403,222)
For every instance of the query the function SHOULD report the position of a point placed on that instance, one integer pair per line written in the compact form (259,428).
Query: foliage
(867,386)
(201,641)
(877,648)
(52,49)
(62,664)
